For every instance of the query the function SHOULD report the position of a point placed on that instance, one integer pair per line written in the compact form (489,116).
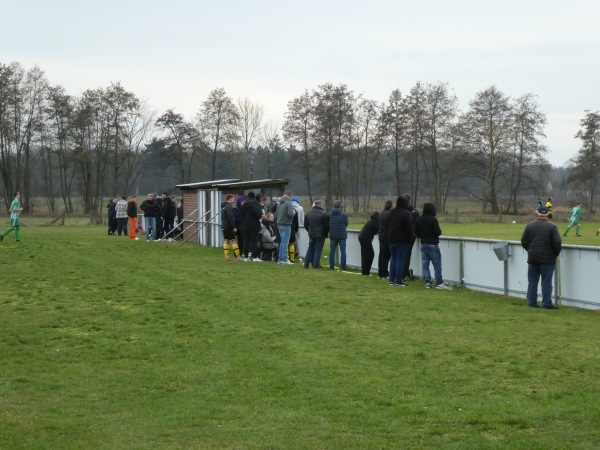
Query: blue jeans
(313,254)
(285,231)
(534,272)
(150,222)
(431,254)
(398,252)
(333,243)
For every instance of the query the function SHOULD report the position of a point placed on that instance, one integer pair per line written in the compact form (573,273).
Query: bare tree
(217,124)
(177,137)
(487,128)
(585,166)
(249,126)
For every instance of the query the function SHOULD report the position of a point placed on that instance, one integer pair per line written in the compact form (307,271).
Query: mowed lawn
(108,343)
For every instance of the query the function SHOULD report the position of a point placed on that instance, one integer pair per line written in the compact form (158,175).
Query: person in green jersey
(575,219)
(15,224)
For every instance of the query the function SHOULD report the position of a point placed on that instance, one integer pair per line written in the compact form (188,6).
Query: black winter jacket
(370,229)
(132,210)
(427,227)
(316,223)
(251,215)
(542,241)
(399,226)
(338,221)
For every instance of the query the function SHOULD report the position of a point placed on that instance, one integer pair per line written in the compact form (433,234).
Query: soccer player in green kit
(15,224)
(575,219)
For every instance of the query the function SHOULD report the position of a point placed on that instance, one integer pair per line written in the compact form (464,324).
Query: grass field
(109,343)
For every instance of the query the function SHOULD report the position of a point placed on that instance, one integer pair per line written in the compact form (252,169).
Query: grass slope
(109,343)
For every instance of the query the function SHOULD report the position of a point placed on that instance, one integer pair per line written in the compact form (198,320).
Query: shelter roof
(236,184)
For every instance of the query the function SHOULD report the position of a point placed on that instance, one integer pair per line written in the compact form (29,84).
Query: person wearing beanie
(543,244)
(316,224)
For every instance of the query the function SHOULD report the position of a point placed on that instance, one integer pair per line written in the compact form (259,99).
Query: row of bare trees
(341,144)
(349,140)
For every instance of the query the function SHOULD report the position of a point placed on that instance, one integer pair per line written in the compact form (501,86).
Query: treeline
(107,141)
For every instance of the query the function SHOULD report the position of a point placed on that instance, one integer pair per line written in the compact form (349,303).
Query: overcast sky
(173,53)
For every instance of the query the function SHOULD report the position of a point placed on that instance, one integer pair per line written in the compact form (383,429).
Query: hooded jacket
(285,212)
(427,227)
(399,223)
(338,221)
(251,215)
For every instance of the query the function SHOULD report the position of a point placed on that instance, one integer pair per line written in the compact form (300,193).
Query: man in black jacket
(251,215)
(427,229)
(542,241)
(400,235)
(383,262)
(316,223)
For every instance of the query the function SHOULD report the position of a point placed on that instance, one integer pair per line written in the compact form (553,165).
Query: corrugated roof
(234,184)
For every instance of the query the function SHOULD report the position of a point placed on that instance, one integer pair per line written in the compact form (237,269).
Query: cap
(295,199)
(542,211)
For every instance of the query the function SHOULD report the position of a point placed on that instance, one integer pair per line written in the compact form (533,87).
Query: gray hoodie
(285,212)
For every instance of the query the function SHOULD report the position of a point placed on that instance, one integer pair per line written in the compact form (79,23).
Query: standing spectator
(300,214)
(132,213)
(549,208)
(292,248)
(365,238)
(338,222)
(427,229)
(149,208)
(179,218)
(15,218)
(284,215)
(121,212)
(237,217)
(383,262)
(400,234)
(408,273)
(542,241)
(112,216)
(158,218)
(169,211)
(575,219)
(251,215)
(230,243)
(316,223)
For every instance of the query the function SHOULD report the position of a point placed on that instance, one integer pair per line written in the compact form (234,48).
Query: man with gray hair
(285,214)
(316,223)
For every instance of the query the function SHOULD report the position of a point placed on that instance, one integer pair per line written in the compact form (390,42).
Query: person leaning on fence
(427,229)
(230,243)
(383,262)
(365,239)
(121,212)
(543,244)
(132,212)
(408,273)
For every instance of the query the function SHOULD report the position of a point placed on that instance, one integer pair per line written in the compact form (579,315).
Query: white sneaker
(288,262)
(442,286)
(246,259)
(136,239)
(257,260)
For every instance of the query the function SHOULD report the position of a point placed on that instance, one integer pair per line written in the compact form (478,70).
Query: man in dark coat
(542,241)
(365,238)
(316,223)
(399,235)
(427,229)
(251,215)
(384,246)
(338,222)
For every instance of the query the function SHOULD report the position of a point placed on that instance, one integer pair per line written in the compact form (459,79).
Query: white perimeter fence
(475,263)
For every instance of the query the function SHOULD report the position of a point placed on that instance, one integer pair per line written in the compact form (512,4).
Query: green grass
(109,343)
